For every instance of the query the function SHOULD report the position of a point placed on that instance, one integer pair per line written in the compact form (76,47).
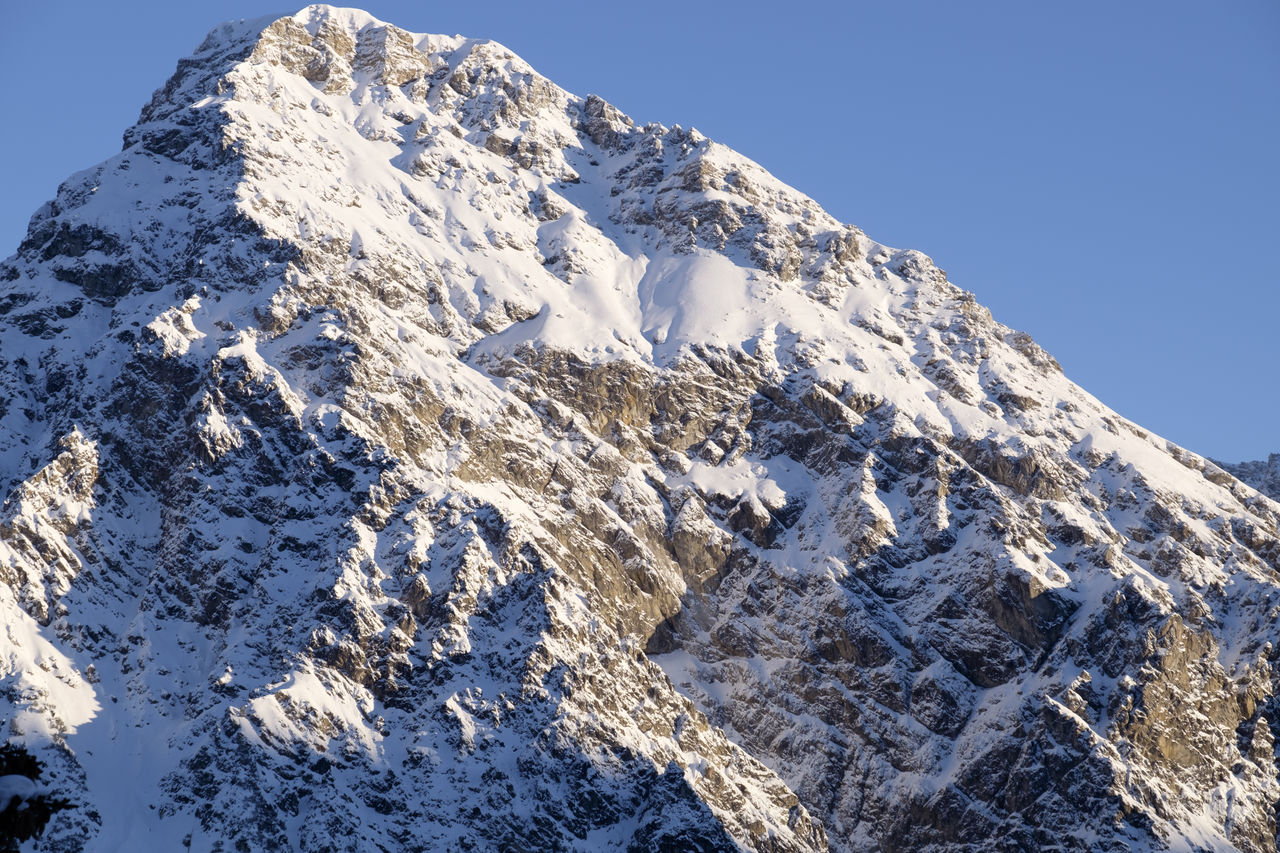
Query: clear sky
(1102,175)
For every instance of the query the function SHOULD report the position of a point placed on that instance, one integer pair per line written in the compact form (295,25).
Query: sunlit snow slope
(402,453)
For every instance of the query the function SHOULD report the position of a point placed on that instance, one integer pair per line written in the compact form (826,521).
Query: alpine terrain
(1262,475)
(400,453)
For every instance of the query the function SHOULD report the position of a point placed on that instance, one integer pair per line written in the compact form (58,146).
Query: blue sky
(1102,175)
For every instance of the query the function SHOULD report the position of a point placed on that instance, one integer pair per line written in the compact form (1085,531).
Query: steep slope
(1263,475)
(403,453)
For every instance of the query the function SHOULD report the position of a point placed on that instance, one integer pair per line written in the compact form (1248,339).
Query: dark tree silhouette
(23,819)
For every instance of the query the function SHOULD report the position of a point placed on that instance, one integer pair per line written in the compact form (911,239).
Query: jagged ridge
(1263,475)
(390,433)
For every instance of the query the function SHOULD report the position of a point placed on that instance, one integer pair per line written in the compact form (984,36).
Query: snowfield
(401,453)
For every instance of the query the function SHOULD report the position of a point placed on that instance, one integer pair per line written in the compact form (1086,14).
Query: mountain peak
(401,448)
(313,18)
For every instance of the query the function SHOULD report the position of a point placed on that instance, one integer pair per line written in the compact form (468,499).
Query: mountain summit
(401,453)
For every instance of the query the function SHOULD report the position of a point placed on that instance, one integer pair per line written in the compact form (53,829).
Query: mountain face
(401,453)
(1263,475)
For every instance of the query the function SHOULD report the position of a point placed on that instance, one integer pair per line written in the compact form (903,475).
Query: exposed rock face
(403,453)
(1262,475)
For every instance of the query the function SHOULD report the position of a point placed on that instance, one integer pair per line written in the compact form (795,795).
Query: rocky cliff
(402,453)
(1263,475)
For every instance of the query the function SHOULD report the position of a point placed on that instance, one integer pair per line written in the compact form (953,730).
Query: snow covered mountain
(402,453)
(1263,475)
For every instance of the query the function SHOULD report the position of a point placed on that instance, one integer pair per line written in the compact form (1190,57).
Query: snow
(383,337)
(17,787)
(737,479)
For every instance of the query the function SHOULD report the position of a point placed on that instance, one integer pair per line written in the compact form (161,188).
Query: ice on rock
(400,452)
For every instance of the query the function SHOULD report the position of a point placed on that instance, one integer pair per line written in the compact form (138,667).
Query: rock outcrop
(1263,475)
(403,453)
